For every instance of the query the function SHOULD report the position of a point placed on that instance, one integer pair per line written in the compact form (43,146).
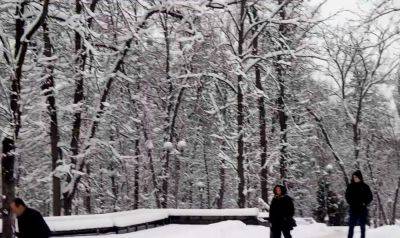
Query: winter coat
(32,225)
(358,195)
(281,212)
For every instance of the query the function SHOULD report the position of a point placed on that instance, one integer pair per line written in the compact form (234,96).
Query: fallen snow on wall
(135,217)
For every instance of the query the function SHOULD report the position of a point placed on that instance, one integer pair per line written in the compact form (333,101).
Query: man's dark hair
(19,202)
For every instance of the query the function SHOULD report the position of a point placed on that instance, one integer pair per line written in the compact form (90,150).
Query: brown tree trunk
(48,88)
(7,185)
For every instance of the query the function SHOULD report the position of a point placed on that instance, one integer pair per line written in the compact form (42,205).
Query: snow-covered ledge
(126,221)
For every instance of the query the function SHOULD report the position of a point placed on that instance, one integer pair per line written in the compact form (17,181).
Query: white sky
(348,8)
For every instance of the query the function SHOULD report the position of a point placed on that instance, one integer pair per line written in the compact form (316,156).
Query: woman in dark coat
(358,196)
(281,213)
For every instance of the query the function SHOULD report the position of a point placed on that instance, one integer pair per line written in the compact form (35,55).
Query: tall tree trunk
(7,185)
(262,122)
(48,88)
(80,51)
(240,112)
(165,168)
(282,117)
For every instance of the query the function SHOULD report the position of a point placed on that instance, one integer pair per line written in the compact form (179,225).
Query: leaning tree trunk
(8,185)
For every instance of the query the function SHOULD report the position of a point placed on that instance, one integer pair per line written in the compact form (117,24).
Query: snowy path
(337,233)
(236,229)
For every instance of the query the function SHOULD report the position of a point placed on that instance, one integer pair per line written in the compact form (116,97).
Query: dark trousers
(277,231)
(357,218)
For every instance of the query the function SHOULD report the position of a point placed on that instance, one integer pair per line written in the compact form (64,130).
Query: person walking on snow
(281,213)
(358,196)
(30,222)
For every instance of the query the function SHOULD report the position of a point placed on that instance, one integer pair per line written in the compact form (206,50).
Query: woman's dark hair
(283,189)
(19,202)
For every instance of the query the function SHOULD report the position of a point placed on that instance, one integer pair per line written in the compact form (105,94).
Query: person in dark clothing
(358,196)
(30,222)
(281,213)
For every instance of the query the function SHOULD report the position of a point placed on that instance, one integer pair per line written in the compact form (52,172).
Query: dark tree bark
(48,89)
(262,122)
(7,185)
(80,51)
(240,111)
(282,117)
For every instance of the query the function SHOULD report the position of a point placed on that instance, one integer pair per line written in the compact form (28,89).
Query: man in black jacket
(358,196)
(281,213)
(30,222)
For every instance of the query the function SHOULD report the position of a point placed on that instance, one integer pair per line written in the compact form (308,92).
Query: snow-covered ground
(237,229)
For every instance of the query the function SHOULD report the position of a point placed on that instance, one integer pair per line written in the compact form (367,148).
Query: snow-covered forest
(117,105)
